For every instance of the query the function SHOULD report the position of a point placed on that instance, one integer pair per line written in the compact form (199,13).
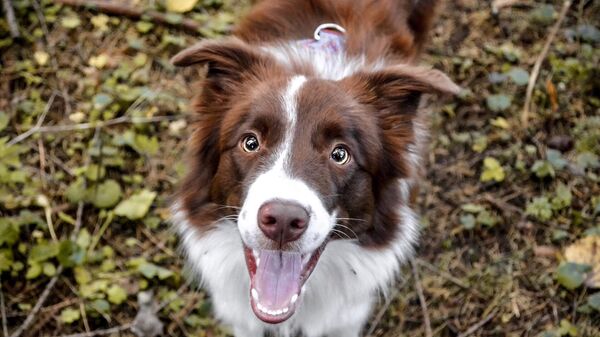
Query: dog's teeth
(294,298)
(257,261)
(285,310)
(303,288)
(254,294)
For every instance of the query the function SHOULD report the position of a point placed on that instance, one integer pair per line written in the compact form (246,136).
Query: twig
(37,126)
(478,325)
(38,305)
(114,8)
(90,125)
(3,311)
(538,63)
(443,274)
(10,19)
(103,332)
(426,321)
(382,310)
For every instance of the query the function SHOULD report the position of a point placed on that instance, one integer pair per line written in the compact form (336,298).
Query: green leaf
(100,305)
(556,159)
(82,275)
(594,301)
(136,206)
(519,76)
(571,275)
(543,14)
(498,103)
(76,191)
(543,168)
(563,197)
(540,208)
(70,315)
(43,251)
(116,294)
(107,194)
(6,260)
(9,231)
(48,269)
(487,219)
(70,254)
(492,170)
(472,208)
(34,270)
(467,221)
(101,101)
(587,160)
(3,120)
(70,22)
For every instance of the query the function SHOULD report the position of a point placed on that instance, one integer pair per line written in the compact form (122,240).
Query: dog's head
(297,160)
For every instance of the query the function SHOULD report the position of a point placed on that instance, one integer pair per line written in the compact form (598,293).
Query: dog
(297,209)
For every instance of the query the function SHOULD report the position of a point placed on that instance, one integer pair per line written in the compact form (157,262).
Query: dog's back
(375,28)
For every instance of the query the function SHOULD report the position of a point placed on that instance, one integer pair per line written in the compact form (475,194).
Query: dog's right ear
(229,61)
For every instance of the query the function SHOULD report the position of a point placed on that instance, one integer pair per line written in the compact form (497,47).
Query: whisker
(348,228)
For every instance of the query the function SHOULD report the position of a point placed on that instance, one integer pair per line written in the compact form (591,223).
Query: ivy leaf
(519,76)
(556,159)
(563,197)
(43,251)
(492,170)
(594,301)
(498,103)
(540,208)
(107,194)
(136,206)
(70,315)
(116,294)
(571,275)
(543,168)
(3,120)
(9,231)
(468,221)
(6,260)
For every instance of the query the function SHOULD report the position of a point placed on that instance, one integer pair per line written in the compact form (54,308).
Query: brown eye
(340,155)
(250,144)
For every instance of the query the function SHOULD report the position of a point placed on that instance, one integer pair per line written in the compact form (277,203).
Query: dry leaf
(552,93)
(586,251)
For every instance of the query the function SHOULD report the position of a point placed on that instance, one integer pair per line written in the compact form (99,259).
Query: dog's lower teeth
(254,294)
(294,298)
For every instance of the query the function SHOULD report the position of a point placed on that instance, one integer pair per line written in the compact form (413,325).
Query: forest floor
(93,123)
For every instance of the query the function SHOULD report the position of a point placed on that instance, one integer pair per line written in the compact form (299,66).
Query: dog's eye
(250,144)
(340,155)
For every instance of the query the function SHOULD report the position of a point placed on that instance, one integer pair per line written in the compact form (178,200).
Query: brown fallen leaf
(544,251)
(586,251)
(552,93)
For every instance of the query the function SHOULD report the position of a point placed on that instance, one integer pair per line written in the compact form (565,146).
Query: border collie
(296,212)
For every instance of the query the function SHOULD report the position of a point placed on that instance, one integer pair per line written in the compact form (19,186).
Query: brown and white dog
(296,211)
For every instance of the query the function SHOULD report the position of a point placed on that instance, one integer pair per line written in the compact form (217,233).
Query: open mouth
(276,281)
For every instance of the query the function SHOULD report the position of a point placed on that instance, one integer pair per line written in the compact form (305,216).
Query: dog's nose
(282,221)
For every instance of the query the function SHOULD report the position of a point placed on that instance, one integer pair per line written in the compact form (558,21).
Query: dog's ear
(397,90)
(228,61)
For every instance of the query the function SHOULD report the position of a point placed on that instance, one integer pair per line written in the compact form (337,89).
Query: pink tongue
(277,278)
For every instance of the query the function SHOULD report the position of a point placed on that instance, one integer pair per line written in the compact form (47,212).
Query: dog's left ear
(398,89)
(393,95)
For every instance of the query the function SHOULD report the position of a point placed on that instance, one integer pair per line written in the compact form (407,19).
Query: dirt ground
(93,123)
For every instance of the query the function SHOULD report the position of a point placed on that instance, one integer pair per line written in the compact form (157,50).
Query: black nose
(282,221)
